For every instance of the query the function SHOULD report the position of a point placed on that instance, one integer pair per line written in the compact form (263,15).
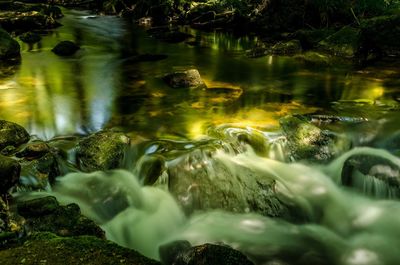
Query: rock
(310,38)
(307,141)
(344,43)
(9,173)
(372,175)
(101,151)
(315,58)
(65,48)
(200,182)
(34,150)
(382,33)
(30,37)
(38,173)
(12,134)
(185,79)
(3,217)
(207,254)
(150,168)
(9,48)
(26,21)
(169,252)
(47,248)
(46,215)
(287,48)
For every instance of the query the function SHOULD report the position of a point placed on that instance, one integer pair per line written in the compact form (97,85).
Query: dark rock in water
(200,182)
(65,48)
(38,173)
(150,168)
(373,175)
(83,250)
(170,251)
(9,173)
(9,48)
(12,134)
(30,37)
(287,48)
(181,253)
(46,215)
(344,43)
(186,79)
(101,151)
(307,141)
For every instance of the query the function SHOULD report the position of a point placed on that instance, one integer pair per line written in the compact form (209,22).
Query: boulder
(181,253)
(12,134)
(198,181)
(382,33)
(101,151)
(30,37)
(310,38)
(185,79)
(344,43)
(9,173)
(47,248)
(373,175)
(9,48)
(65,48)
(46,215)
(307,141)
(26,21)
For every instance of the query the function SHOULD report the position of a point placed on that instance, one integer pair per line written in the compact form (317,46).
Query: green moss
(344,43)
(47,248)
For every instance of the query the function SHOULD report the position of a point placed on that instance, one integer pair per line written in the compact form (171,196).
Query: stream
(327,218)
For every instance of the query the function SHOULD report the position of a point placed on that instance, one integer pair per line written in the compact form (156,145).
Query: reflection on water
(100,87)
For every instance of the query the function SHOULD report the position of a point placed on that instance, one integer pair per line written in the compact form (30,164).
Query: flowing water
(346,218)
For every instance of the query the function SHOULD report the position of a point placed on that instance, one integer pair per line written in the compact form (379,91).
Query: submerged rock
(46,215)
(9,48)
(372,175)
(101,151)
(9,173)
(185,79)
(65,48)
(198,181)
(181,253)
(12,134)
(83,250)
(307,141)
(30,37)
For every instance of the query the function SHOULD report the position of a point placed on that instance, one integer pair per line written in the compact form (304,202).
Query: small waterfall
(345,228)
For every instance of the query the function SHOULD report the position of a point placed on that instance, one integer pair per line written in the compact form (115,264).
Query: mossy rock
(101,151)
(185,79)
(9,48)
(9,173)
(315,58)
(287,48)
(382,33)
(12,134)
(47,248)
(46,215)
(344,43)
(308,142)
(310,38)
